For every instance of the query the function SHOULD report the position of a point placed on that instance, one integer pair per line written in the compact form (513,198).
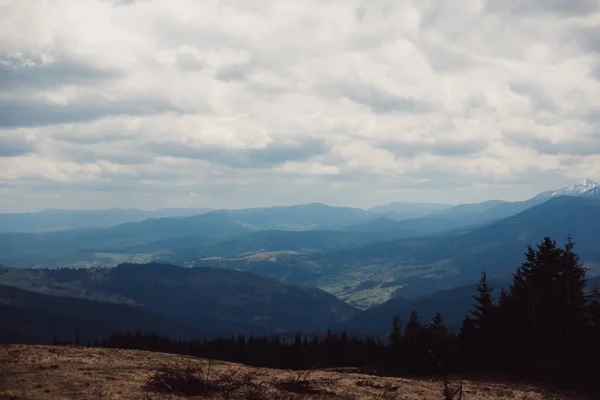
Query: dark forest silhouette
(545,323)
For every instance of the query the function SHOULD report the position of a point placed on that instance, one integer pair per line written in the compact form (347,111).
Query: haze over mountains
(344,250)
(248,270)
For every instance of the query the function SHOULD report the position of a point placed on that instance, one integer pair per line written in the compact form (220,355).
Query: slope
(371,273)
(222,301)
(29,317)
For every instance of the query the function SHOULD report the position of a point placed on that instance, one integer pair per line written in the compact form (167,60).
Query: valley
(364,257)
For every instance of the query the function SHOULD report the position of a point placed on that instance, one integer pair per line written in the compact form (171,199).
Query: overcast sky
(225,103)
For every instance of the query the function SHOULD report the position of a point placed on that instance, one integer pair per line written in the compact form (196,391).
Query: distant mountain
(300,217)
(385,229)
(372,273)
(29,317)
(470,212)
(54,220)
(579,189)
(159,239)
(97,246)
(409,210)
(495,210)
(274,241)
(593,193)
(215,300)
(448,259)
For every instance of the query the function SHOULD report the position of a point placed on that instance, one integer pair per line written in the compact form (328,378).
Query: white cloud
(140,103)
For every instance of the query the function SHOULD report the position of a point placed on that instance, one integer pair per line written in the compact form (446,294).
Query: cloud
(23,112)
(271,155)
(561,7)
(443,147)
(583,144)
(110,103)
(15,145)
(20,73)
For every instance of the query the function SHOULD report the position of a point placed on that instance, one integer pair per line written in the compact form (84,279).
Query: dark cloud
(122,152)
(15,145)
(537,96)
(380,101)
(234,72)
(443,147)
(444,59)
(580,145)
(16,74)
(561,7)
(266,157)
(24,112)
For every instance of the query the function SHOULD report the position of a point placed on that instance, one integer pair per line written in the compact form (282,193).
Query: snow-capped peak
(579,189)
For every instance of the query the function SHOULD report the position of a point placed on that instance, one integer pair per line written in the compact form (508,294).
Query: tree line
(544,322)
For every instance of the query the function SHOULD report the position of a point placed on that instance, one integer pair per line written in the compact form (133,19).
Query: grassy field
(43,372)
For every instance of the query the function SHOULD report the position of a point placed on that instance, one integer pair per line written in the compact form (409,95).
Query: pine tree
(467,339)
(439,328)
(571,287)
(396,335)
(413,327)
(485,310)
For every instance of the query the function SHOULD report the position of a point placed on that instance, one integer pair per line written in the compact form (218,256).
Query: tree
(485,309)
(571,289)
(396,335)
(438,327)
(413,328)
(466,340)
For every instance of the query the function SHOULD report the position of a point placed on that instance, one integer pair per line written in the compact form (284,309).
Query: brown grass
(44,372)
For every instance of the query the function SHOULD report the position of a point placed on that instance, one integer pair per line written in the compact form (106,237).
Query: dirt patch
(45,372)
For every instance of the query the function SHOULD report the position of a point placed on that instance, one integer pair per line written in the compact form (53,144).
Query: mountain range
(55,220)
(364,257)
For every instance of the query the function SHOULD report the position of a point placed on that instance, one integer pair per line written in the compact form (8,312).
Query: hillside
(29,317)
(372,273)
(218,300)
(45,373)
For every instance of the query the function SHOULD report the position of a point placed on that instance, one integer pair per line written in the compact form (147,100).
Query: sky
(229,104)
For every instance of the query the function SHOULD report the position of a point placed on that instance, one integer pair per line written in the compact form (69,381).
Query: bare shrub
(186,381)
(198,381)
(449,391)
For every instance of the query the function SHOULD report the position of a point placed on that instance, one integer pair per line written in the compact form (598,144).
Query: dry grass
(43,372)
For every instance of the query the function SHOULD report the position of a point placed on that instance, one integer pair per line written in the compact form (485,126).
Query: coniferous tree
(485,309)
(439,328)
(534,300)
(396,335)
(466,339)
(571,287)
(413,328)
